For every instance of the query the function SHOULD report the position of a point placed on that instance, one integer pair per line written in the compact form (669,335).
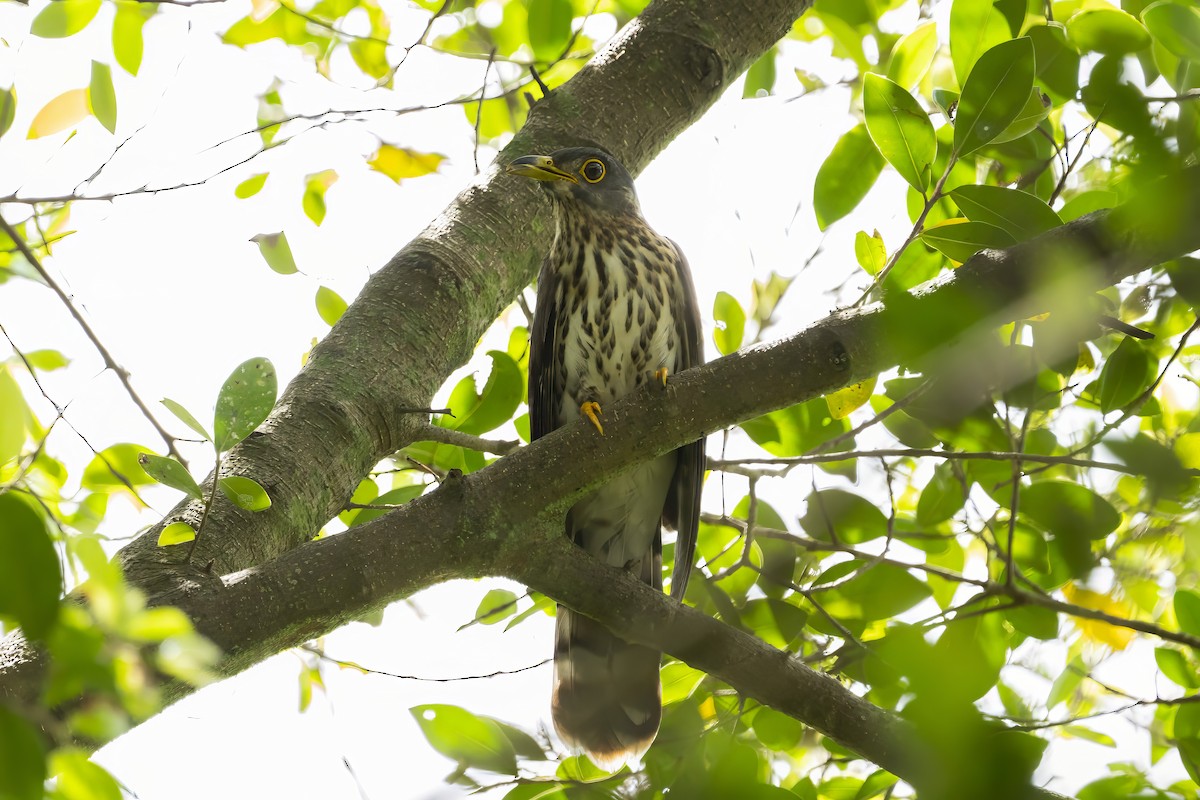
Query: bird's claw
(591,410)
(660,375)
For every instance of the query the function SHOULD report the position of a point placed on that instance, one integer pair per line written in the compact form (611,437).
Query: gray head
(585,175)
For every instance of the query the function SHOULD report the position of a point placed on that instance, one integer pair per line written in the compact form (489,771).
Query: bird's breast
(616,318)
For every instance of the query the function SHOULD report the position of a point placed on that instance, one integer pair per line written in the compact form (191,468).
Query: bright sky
(180,295)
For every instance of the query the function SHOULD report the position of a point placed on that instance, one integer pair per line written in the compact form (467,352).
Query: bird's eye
(592,170)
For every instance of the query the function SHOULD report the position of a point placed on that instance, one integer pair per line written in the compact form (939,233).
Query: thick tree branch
(470,527)
(420,316)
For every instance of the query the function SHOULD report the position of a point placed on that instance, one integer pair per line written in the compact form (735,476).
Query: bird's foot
(660,375)
(591,410)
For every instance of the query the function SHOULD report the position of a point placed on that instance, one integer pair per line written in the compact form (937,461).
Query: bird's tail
(607,698)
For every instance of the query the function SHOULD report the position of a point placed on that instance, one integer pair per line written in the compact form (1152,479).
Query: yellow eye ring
(590,172)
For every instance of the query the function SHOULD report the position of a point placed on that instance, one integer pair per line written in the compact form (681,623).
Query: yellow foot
(660,375)
(592,411)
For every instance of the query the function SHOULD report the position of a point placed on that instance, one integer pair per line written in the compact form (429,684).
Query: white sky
(180,295)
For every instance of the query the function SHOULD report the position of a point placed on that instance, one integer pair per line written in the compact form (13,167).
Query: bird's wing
(543,367)
(682,511)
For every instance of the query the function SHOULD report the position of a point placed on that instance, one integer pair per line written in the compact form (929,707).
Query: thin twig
(105,355)
(436,433)
(735,465)
(912,236)
(352,665)
(479,108)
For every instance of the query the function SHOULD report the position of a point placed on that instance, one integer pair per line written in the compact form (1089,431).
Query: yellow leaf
(1187,447)
(844,401)
(1095,630)
(60,113)
(399,163)
(1086,362)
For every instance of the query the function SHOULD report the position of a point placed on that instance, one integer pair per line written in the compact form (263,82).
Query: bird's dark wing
(682,511)
(543,365)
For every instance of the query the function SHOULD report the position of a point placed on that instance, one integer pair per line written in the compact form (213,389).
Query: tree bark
(419,317)
(470,527)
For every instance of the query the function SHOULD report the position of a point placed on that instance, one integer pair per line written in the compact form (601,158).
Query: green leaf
(1175,666)
(731,323)
(64,18)
(467,739)
(1018,213)
(1069,510)
(170,472)
(1057,61)
(315,187)
(22,759)
(878,592)
(941,497)
(1067,682)
(524,745)
(913,55)
(900,129)
(47,360)
(186,417)
(1087,734)
(976,26)
(495,405)
(497,605)
(1126,374)
(176,533)
(245,400)
(157,624)
(114,467)
(549,27)
(846,176)
(796,429)
(1155,463)
(1087,202)
(396,497)
(760,78)
(330,305)
(1177,27)
(251,186)
(77,778)
(30,584)
(277,252)
(245,493)
(775,730)
(837,515)
(1034,621)
(994,95)
(400,163)
(876,784)
(870,252)
(127,33)
(14,414)
(101,98)
(1107,30)
(1034,113)
(960,239)
(679,681)
(1187,611)
(8,109)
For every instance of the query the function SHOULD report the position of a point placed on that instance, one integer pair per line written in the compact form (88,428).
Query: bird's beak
(540,168)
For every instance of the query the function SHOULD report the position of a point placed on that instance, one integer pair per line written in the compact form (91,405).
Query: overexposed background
(180,295)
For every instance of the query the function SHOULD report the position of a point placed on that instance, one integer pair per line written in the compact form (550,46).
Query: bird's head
(585,175)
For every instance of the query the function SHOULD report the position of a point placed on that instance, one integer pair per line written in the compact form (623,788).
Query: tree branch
(470,527)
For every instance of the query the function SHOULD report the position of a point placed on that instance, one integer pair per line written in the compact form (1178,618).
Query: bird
(616,309)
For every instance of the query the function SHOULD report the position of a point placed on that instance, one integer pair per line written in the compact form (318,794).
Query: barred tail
(607,699)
